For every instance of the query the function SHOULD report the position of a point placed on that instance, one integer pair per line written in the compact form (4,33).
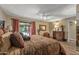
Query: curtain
(15,25)
(32,29)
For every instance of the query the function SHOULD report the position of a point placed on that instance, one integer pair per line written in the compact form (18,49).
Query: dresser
(59,35)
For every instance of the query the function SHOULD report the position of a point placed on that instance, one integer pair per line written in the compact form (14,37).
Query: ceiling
(47,12)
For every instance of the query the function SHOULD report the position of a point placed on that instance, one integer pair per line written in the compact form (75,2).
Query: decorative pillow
(17,40)
(46,34)
(25,38)
(14,41)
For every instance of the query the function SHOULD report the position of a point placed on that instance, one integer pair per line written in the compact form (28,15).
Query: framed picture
(42,27)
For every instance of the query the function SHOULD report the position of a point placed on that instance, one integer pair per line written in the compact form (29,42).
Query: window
(2,24)
(25,28)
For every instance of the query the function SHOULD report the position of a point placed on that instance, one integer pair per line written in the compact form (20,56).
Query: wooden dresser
(59,35)
(77,41)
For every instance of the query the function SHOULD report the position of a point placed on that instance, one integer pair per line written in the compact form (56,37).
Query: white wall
(6,18)
(65,23)
(8,22)
(42,23)
(72,33)
(71,30)
(2,15)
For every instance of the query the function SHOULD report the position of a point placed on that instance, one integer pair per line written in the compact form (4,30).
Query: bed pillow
(25,38)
